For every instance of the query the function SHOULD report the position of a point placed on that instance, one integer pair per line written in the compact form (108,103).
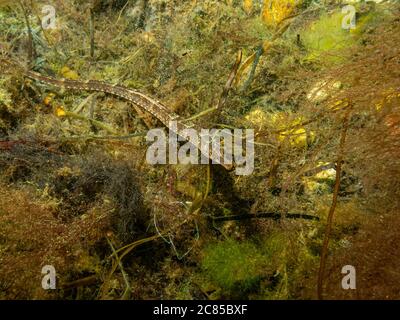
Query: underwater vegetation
(76,190)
